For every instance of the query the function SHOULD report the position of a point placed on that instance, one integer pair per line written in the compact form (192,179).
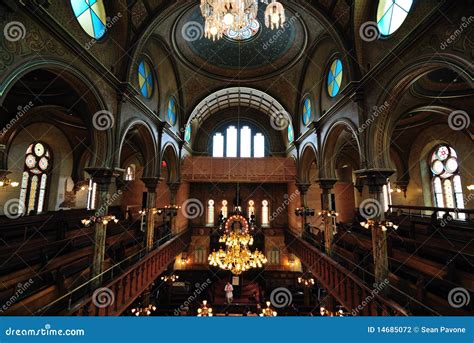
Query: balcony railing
(346,288)
(126,281)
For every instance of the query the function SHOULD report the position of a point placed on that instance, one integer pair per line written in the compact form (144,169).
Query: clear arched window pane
(265,213)
(391,14)
(259,145)
(231,142)
(245,142)
(210,212)
(218,145)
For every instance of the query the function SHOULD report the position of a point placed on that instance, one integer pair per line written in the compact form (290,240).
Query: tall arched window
(387,196)
(130,174)
(224,208)
(446,181)
(35,181)
(251,208)
(210,213)
(236,141)
(265,213)
(91,195)
(274,256)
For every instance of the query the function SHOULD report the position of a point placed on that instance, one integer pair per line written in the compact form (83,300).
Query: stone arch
(146,143)
(308,156)
(171,156)
(340,135)
(380,132)
(101,140)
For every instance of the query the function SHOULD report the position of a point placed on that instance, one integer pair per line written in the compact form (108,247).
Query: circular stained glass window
(91,16)
(171,111)
(391,14)
(43,163)
(145,79)
(444,162)
(335,78)
(306,111)
(437,167)
(244,33)
(451,165)
(30,161)
(39,149)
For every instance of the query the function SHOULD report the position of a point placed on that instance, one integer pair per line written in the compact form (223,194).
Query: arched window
(200,255)
(171,114)
(446,181)
(91,195)
(210,213)
(238,141)
(387,196)
(265,213)
(391,14)
(307,111)
(130,173)
(251,208)
(274,256)
(334,80)
(91,16)
(35,181)
(224,208)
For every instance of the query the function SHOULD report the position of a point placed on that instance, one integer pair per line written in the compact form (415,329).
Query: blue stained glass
(391,14)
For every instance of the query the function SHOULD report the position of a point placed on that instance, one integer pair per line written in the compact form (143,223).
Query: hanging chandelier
(237,258)
(236,238)
(224,15)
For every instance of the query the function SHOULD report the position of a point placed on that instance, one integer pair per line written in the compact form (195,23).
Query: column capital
(303,187)
(375,179)
(151,183)
(326,184)
(102,176)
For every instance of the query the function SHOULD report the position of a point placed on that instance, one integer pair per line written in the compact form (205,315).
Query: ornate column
(303,189)
(326,186)
(150,183)
(103,178)
(373,209)
(173,187)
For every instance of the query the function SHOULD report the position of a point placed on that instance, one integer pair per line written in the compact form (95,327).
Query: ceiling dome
(263,54)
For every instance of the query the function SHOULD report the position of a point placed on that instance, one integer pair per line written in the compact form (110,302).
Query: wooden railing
(125,289)
(426,211)
(346,288)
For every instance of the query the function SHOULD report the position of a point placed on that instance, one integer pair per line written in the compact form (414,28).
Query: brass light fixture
(268,311)
(205,310)
(144,311)
(99,219)
(375,224)
(5,182)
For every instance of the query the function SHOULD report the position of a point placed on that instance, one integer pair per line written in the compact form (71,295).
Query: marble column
(103,178)
(375,179)
(326,186)
(150,183)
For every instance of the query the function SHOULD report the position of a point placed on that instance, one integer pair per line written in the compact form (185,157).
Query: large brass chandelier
(237,256)
(224,15)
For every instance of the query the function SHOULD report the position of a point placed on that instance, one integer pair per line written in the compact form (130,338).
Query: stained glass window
(145,79)
(91,195)
(171,111)
(34,183)
(210,212)
(251,208)
(130,174)
(306,111)
(446,181)
(265,213)
(91,16)
(291,135)
(391,14)
(187,133)
(224,208)
(244,33)
(335,77)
